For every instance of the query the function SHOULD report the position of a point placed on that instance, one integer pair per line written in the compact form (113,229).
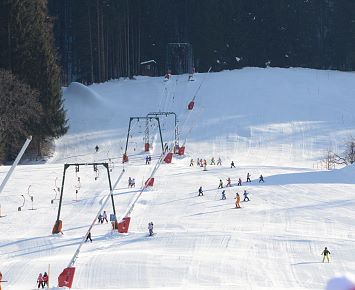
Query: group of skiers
(131,182)
(102,217)
(203,162)
(42,280)
(239,183)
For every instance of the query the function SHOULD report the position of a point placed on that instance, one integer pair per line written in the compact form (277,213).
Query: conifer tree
(34,61)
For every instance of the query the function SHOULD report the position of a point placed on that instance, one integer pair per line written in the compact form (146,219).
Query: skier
(248,177)
(104,217)
(96,148)
(228,182)
(45,279)
(100,219)
(212,161)
(198,161)
(325,254)
(129,182)
(88,237)
(232,164)
(261,178)
(146,160)
(219,161)
(246,198)
(133,184)
(239,182)
(149,159)
(150,228)
(237,200)
(40,281)
(204,165)
(220,184)
(200,191)
(223,194)
(191,162)
(0,279)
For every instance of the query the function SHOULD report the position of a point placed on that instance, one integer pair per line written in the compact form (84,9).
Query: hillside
(275,122)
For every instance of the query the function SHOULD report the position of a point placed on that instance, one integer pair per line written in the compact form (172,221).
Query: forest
(47,44)
(102,39)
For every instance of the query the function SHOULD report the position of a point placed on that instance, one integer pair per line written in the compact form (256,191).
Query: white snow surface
(276,122)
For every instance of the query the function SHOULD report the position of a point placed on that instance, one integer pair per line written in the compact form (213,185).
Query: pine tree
(34,61)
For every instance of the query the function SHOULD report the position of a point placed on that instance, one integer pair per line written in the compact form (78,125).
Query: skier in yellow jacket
(237,200)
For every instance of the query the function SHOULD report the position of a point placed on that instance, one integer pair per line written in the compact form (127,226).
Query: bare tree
(329,160)
(348,156)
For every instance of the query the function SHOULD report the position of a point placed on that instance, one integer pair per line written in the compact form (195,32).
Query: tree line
(103,39)
(30,82)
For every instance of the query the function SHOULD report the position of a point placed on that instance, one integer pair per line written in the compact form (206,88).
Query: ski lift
(55,184)
(111,164)
(31,197)
(55,197)
(191,105)
(125,158)
(23,204)
(96,170)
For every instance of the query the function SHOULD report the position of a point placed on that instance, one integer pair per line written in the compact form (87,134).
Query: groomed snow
(275,122)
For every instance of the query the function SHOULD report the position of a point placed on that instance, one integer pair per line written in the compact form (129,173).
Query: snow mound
(83,94)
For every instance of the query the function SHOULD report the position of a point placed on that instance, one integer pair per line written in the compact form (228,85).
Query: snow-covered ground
(275,122)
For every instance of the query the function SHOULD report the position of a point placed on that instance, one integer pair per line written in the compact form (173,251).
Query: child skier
(223,195)
(212,161)
(248,177)
(261,178)
(325,254)
(100,219)
(220,184)
(237,200)
(232,164)
(133,184)
(246,198)
(204,165)
(40,281)
(200,191)
(88,237)
(191,162)
(45,279)
(146,160)
(228,182)
(219,161)
(1,280)
(239,182)
(150,228)
(104,217)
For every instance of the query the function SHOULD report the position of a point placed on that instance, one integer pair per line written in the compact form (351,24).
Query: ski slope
(275,122)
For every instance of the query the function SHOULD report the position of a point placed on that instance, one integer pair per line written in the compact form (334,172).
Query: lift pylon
(176,129)
(57,228)
(147,119)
